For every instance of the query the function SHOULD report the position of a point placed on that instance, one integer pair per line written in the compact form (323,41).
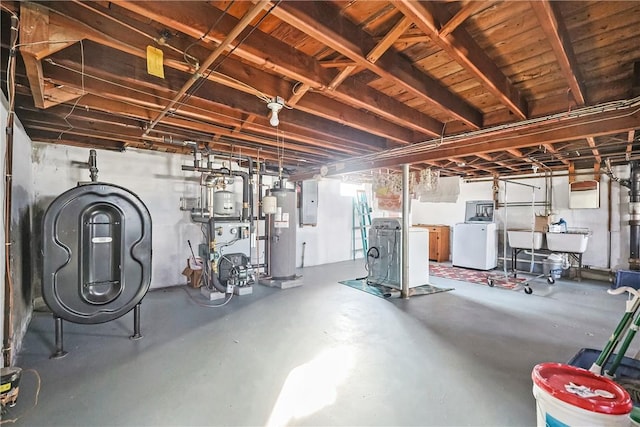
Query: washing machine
(384,257)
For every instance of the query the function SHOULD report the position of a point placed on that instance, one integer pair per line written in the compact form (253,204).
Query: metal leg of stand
(60,353)
(579,267)
(136,323)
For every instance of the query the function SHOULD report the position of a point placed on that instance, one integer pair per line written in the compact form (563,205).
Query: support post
(406,203)
(136,323)
(60,353)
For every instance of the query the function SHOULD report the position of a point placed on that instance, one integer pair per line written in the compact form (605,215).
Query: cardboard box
(193,271)
(542,223)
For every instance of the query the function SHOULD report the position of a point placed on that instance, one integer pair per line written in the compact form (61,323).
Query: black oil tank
(96,253)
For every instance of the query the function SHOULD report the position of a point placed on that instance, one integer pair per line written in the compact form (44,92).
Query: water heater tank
(282,235)
(223,203)
(96,253)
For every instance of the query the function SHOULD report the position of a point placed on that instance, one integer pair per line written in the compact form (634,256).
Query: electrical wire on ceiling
(157,96)
(429,145)
(205,34)
(82,74)
(162,40)
(204,77)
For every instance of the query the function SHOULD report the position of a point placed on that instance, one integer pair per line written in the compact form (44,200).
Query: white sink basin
(525,239)
(567,242)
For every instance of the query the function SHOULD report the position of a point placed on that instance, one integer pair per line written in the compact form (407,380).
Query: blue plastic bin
(629,367)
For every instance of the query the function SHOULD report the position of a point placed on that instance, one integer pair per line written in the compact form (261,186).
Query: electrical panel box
(309,202)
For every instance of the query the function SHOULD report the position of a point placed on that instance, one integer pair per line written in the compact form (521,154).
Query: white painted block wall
(158,179)
(597,254)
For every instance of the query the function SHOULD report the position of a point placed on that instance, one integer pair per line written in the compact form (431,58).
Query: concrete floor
(321,354)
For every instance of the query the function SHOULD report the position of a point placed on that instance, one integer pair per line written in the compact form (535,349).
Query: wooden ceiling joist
(558,36)
(465,12)
(325,23)
(547,132)
(461,47)
(387,41)
(629,149)
(592,143)
(270,53)
(551,149)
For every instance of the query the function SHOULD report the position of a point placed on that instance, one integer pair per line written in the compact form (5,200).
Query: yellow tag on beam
(154,62)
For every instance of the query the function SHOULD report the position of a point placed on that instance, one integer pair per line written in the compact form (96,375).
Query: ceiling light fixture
(275,105)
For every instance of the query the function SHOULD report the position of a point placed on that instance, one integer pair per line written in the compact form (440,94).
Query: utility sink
(525,239)
(567,242)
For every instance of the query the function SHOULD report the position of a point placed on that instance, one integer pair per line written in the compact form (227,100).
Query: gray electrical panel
(309,203)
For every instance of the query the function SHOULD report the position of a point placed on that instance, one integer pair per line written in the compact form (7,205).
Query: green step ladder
(361,222)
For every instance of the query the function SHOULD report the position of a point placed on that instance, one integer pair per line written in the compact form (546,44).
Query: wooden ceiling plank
(267,52)
(254,11)
(38,39)
(143,106)
(125,69)
(40,35)
(558,36)
(465,51)
(387,41)
(465,12)
(325,23)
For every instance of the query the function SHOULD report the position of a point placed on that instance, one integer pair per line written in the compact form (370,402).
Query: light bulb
(274,118)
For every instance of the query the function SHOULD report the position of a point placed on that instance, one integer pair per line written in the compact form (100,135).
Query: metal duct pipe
(634,216)
(214,280)
(93,165)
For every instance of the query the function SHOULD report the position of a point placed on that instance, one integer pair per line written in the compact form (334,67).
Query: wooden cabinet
(438,242)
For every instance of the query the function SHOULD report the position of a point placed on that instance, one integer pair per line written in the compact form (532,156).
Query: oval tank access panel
(96,253)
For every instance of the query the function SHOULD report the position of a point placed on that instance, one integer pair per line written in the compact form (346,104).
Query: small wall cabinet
(438,241)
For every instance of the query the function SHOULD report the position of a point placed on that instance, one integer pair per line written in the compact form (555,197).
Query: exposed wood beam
(558,36)
(337,63)
(254,11)
(516,153)
(41,36)
(550,148)
(572,172)
(489,158)
(325,23)
(630,137)
(592,143)
(413,38)
(465,12)
(199,109)
(298,94)
(342,75)
(270,53)
(122,65)
(529,135)
(403,25)
(635,85)
(465,51)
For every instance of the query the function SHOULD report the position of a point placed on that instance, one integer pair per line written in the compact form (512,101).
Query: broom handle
(625,322)
(625,345)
